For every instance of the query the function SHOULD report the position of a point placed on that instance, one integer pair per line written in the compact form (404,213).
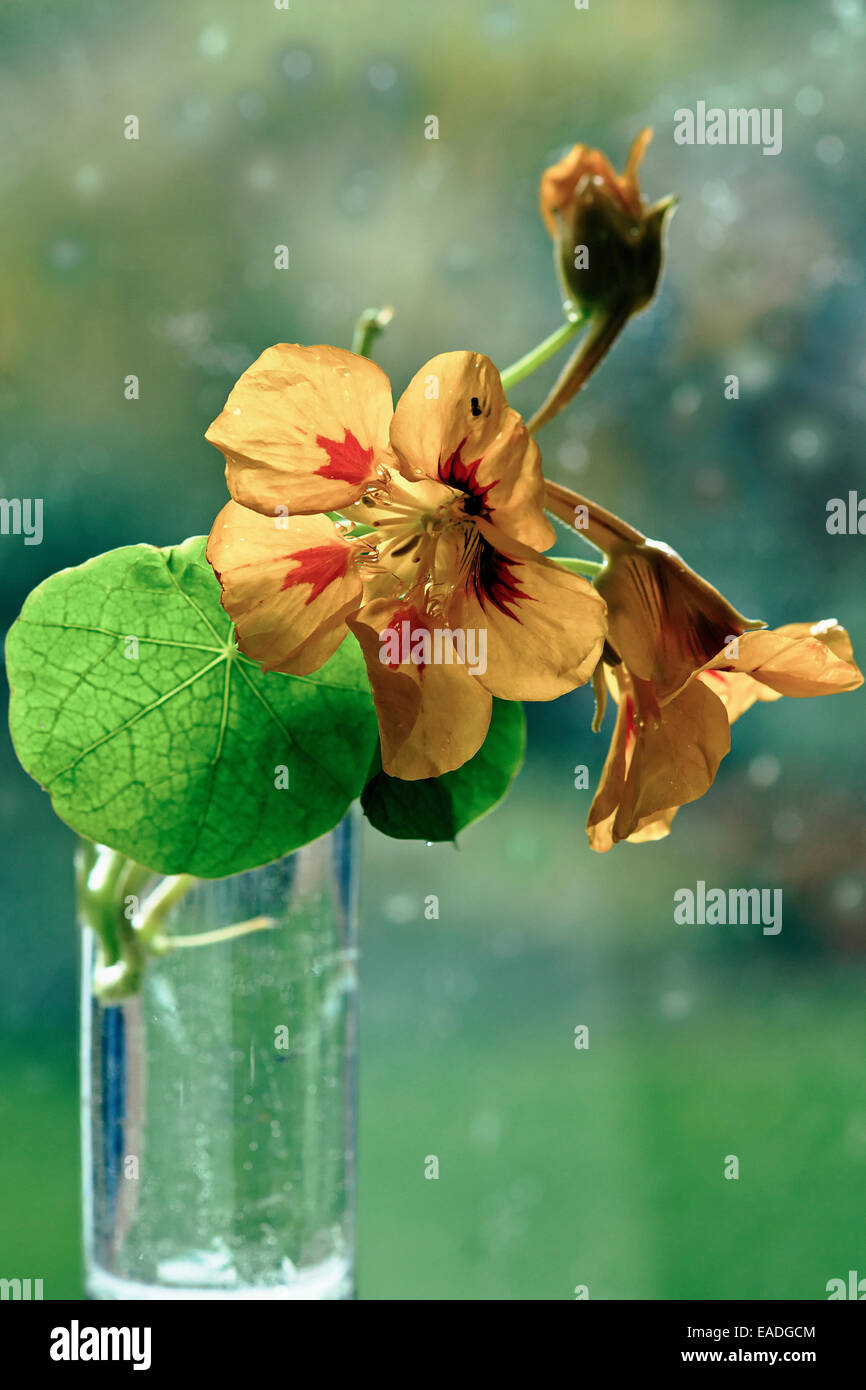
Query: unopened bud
(608,242)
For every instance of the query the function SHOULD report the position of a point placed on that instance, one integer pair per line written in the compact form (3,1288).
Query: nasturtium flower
(608,248)
(447,591)
(683,665)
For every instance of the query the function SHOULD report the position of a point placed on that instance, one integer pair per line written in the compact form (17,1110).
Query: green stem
(603,331)
(157,907)
(542,353)
(589,568)
(125,940)
(370,325)
(212,938)
(99,873)
(105,879)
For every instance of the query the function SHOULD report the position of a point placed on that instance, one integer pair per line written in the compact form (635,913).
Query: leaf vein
(140,714)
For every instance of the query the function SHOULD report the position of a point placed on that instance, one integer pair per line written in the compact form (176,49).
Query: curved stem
(588,568)
(590,351)
(593,523)
(106,879)
(100,871)
(156,908)
(537,356)
(212,938)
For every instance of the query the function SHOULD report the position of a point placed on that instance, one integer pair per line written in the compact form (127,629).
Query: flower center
(423,534)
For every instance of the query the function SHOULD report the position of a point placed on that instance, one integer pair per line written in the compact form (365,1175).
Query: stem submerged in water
(213,938)
(129,933)
(159,904)
(105,882)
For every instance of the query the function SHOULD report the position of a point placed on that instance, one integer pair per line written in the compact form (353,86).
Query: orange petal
(605,803)
(545,627)
(737,691)
(799,659)
(304,429)
(433,714)
(827,631)
(287,584)
(453,424)
(666,622)
(653,770)
(653,828)
(628,179)
(559,182)
(676,759)
(602,813)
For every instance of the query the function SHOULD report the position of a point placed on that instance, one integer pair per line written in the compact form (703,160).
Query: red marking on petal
(318,566)
(348,461)
(406,614)
(495,582)
(456,473)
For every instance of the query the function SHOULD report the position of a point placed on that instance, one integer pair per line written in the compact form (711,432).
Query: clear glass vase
(218,1099)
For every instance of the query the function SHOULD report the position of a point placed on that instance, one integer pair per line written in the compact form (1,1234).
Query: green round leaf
(438,808)
(132,706)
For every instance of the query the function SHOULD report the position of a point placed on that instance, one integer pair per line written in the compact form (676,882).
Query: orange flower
(683,665)
(458,603)
(608,253)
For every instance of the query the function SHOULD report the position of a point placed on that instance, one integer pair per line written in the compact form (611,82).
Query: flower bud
(608,242)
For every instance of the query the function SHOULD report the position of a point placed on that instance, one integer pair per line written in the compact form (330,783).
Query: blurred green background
(306,127)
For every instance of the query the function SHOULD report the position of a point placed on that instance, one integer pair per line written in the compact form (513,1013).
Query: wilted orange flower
(449,597)
(608,252)
(683,665)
